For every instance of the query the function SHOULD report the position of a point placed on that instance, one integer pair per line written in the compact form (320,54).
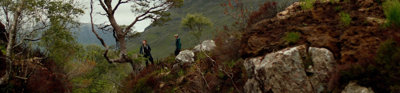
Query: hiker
(178,44)
(145,50)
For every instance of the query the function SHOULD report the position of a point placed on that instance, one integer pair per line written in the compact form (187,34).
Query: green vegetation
(382,75)
(60,44)
(334,1)
(142,85)
(338,8)
(161,37)
(3,49)
(345,18)
(391,9)
(196,23)
(308,4)
(92,73)
(292,37)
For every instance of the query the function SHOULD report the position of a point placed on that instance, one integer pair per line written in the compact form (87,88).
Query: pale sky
(123,15)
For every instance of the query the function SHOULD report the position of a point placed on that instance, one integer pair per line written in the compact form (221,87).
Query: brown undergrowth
(356,45)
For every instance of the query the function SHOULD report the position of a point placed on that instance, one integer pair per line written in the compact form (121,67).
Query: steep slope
(355,31)
(161,38)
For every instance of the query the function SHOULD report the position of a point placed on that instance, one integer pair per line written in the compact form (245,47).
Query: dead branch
(202,76)
(19,77)
(225,72)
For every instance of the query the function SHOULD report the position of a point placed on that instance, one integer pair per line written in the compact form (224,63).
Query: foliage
(338,8)
(2,49)
(267,10)
(307,4)
(391,9)
(196,23)
(92,73)
(381,75)
(59,44)
(292,37)
(227,43)
(345,18)
(238,12)
(334,1)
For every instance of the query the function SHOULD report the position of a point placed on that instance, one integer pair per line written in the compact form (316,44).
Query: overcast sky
(123,15)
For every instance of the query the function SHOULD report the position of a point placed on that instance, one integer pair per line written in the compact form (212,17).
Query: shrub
(227,45)
(292,37)
(308,4)
(2,49)
(381,75)
(345,18)
(391,9)
(267,10)
(334,1)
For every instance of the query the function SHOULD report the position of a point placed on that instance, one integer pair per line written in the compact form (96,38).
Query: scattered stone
(290,10)
(375,21)
(185,56)
(207,45)
(353,87)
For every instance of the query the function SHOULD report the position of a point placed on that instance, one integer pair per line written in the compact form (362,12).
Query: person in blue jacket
(177,44)
(145,50)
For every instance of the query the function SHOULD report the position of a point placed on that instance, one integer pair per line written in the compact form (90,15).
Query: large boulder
(290,70)
(185,56)
(353,87)
(206,45)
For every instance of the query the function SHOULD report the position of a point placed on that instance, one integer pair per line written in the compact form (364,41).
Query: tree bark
(11,43)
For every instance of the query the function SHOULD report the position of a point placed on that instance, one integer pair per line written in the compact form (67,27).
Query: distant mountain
(161,38)
(85,35)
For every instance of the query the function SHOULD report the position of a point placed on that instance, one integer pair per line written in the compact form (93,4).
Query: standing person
(177,44)
(145,50)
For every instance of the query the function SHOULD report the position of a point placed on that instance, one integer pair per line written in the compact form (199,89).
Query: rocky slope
(272,64)
(321,26)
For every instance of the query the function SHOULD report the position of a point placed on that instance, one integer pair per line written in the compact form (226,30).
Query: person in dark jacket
(177,44)
(145,50)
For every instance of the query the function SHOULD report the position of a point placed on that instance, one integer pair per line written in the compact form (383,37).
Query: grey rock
(353,87)
(185,56)
(207,45)
(284,71)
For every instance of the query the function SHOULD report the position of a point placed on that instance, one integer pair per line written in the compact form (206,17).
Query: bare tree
(146,9)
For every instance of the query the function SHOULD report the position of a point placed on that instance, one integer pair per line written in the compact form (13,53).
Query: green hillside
(161,38)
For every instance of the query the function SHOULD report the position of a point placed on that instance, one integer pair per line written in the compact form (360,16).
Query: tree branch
(139,18)
(102,5)
(92,24)
(95,33)
(6,16)
(119,3)
(31,39)
(122,58)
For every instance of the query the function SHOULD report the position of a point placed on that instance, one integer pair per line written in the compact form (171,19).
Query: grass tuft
(292,37)
(391,9)
(345,18)
(308,4)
